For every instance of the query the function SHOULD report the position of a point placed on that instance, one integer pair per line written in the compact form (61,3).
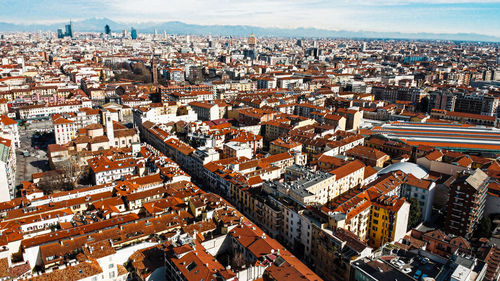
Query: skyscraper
(69,30)
(107,30)
(133,33)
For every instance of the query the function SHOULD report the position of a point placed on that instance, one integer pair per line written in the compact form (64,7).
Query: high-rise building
(107,30)
(466,202)
(69,30)
(133,33)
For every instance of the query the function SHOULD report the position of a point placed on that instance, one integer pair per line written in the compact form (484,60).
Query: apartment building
(422,190)
(64,129)
(311,188)
(388,220)
(9,129)
(368,155)
(467,201)
(206,111)
(48,109)
(348,176)
(104,170)
(7,170)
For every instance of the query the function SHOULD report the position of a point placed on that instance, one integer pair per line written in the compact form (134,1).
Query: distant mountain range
(176,27)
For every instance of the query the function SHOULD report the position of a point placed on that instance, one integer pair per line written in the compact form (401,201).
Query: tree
(54,180)
(484,228)
(238,260)
(423,105)
(24,125)
(415,213)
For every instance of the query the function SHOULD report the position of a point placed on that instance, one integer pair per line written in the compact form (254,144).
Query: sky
(436,16)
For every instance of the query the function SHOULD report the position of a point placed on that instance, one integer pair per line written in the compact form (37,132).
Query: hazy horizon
(410,16)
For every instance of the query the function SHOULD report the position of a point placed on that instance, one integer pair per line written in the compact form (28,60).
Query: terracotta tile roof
(98,249)
(494,170)
(201,104)
(369,171)
(287,144)
(391,203)
(347,169)
(366,153)
(147,260)
(88,228)
(4,119)
(94,126)
(493,261)
(76,272)
(179,146)
(434,155)
(200,227)
(350,203)
(420,183)
(60,121)
(464,162)
(146,194)
(56,148)
(101,164)
(197,264)
(165,205)
(331,160)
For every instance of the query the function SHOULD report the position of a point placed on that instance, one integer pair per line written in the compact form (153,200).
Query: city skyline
(453,16)
(277,140)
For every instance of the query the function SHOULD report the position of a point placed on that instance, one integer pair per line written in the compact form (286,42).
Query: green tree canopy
(484,229)
(415,214)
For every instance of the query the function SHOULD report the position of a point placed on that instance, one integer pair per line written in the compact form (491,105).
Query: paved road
(35,163)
